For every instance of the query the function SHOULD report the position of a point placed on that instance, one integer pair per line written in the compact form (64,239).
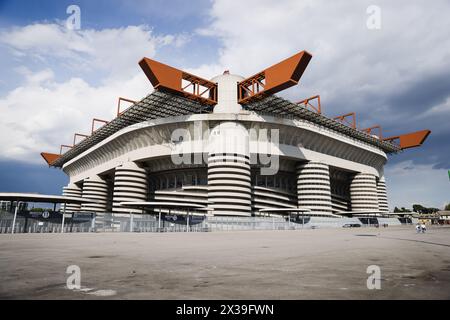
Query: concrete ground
(302,264)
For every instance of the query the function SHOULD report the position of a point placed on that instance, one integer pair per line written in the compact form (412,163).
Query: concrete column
(382,195)
(97,189)
(363,192)
(229,178)
(313,186)
(72,190)
(130,184)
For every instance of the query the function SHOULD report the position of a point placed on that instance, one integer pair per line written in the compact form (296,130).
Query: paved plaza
(296,264)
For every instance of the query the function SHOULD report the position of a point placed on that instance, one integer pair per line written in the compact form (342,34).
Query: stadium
(230,146)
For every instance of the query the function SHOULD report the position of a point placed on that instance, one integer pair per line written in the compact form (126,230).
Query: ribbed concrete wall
(72,190)
(229,175)
(97,189)
(313,186)
(265,197)
(363,192)
(197,195)
(339,203)
(382,195)
(130,184)
(229,184)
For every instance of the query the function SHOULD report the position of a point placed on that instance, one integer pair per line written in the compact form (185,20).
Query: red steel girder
(78,135)
(50,157)
(169,78)
(369,131)
(278,77)
(97,120)
(410,140)
(118,104)
(307,103)
(344,119)
(64,146)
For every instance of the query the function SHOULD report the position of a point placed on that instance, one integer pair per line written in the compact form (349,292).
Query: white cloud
(349,60)
(39,116)
(44,112)
(36,78)
(113,51)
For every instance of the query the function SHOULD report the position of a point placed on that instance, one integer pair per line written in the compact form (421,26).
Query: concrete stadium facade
(219,161)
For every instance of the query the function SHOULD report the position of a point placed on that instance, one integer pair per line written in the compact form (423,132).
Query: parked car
(351,225)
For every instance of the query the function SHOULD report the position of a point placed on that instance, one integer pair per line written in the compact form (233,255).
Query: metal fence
(110,222)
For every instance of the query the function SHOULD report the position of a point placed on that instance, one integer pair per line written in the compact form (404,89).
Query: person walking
(423,227)
(418,227)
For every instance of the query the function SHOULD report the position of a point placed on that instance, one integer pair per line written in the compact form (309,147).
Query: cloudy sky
(53,80)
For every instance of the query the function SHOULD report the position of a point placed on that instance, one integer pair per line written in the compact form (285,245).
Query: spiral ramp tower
(95,188)
(313,187)
(382,195)
(72,190)
(363,192)
(130,184)
(229,175)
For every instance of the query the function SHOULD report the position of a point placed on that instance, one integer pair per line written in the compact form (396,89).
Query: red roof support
(78,135)
(307,103)
(118,104)
(410,140)
(50,157)
(97,120)
(64,146)
(344,119)
(276,78)
(369,131)
(169,78)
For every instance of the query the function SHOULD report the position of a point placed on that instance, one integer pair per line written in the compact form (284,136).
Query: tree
(447,207)
(424,210)
(419,208)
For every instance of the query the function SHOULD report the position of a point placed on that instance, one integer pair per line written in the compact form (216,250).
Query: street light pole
(15,216)
(187,221)
(159,220)
(131,221)
(63,218)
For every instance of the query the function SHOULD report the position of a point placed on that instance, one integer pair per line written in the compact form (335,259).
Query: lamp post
(15,216)
(63,218)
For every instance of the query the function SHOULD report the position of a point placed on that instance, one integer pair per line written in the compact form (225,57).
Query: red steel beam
(307,103)
(118,104)
(169,78)
(410,140)
(343,119)
(50,157)
(78,135)
(64,146)
(369,131)
(278,77)
(97,120)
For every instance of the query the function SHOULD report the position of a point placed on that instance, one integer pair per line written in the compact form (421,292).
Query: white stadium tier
(237,149)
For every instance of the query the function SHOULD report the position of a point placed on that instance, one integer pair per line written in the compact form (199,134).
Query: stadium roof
(159,104)
(284,108)
(162,104)
(173,97)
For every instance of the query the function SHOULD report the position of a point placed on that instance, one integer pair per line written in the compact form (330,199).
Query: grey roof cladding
(158,104)
(161,104)
(284,108)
